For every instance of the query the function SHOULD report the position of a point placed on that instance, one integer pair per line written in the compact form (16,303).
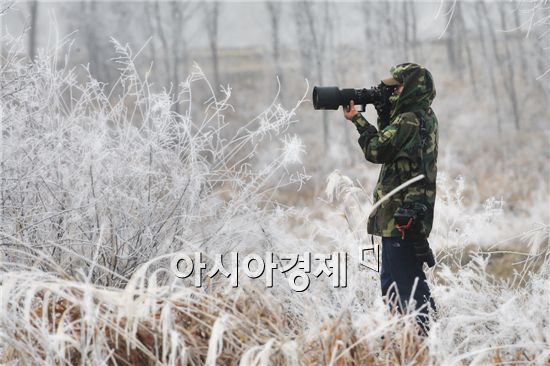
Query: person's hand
(349,111)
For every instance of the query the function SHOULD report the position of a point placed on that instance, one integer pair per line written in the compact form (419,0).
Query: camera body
(408,220)
(332,97)
(410,212)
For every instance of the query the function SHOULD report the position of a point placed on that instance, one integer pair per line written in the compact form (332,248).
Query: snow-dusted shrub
(98,179)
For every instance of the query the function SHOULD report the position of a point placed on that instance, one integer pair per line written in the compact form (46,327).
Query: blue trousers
(400,266)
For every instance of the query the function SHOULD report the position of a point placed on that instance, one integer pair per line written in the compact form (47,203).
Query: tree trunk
(511,83)
(521,48)
(164,42)
(493,40)
(274,10)
(177,23)
(151,30)
(90,14)
(318,42)
(212,15)
(406,29)
(466,43)
(393,36)
(490,69)
(33,30)
(415,44)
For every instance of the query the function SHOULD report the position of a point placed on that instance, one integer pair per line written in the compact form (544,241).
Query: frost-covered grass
(102,184)
(102,179)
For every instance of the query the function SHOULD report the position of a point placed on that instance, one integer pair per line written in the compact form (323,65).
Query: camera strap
(403,228)
(423,132)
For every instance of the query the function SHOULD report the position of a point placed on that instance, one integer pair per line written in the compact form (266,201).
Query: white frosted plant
(103,178)
(457,224)
(101,184)
(478,315)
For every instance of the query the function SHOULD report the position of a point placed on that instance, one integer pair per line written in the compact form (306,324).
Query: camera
(331,97)
(407,221)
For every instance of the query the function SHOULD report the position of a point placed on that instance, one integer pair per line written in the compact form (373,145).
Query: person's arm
(362,124)
(351,114)
(382,146)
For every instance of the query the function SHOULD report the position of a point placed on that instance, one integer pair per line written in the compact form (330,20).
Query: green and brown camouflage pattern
(397,147)
(418,88)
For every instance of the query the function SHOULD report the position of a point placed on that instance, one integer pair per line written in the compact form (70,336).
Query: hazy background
(113,159)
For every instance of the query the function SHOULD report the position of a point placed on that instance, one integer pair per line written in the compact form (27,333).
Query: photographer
(406,144)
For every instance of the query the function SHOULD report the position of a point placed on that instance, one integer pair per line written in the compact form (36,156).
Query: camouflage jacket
(403,150)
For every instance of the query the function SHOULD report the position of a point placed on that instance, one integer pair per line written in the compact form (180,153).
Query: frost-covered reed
(101,179)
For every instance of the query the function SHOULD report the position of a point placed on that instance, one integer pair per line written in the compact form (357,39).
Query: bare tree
(33,30)
(211,13)
(181,13)
(410,30)
(458,43)
(304,47)
(274,10)
(454,51)
(509,79)
(313,35)
(372,40)
(390,8)
(88,17)
(163,40)
(507,73)
(380,38)
(414,34)
(151,29)
(490,66)
(521,48)
(171,20)
(406,15)
(537,15)
(464,43)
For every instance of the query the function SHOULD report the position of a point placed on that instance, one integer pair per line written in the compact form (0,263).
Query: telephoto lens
(331,97)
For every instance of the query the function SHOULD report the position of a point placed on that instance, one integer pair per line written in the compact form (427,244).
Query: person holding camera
(405,143)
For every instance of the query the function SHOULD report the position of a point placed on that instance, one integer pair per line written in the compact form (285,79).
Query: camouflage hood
(418,88)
